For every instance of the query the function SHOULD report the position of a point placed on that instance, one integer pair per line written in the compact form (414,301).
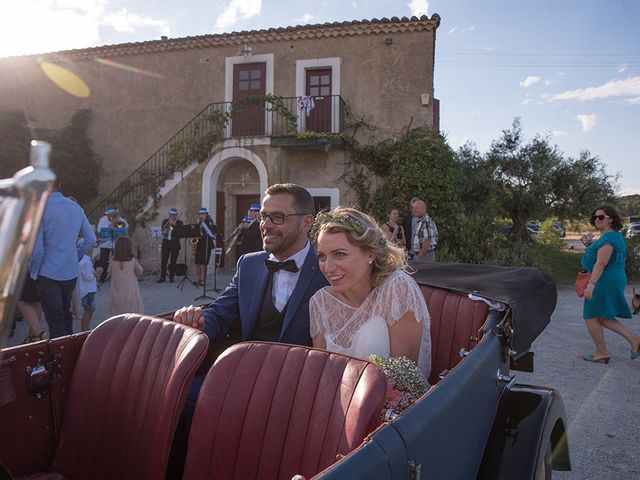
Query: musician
(250,239)
(206,243)
(170,246)
(111,219)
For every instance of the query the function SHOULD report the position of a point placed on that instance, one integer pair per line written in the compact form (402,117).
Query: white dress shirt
(283,281)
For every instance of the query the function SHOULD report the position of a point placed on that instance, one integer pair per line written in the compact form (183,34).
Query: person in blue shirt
(54,261)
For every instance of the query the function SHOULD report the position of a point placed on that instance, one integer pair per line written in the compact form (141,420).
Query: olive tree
(534,180)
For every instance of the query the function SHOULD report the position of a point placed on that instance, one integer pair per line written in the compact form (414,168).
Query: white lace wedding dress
(363,331)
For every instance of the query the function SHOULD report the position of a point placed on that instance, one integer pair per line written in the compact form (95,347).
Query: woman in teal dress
(604,296)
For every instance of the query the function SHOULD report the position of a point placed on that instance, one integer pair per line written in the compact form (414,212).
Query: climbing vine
(192,143)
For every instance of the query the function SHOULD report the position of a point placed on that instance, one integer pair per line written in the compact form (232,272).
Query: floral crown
(339,218)
(344,219)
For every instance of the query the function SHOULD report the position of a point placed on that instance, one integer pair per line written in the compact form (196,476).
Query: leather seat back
(127,392)
(271,411)
(455,323)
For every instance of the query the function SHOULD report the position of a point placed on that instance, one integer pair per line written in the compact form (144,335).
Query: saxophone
(195,240)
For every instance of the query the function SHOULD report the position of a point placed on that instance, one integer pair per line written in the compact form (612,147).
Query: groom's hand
(190,316)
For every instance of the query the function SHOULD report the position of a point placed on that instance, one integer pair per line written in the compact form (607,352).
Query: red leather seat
(271,411)
(126,395)
(455,323)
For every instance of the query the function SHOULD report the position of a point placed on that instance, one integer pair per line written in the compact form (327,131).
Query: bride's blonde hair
(363,232)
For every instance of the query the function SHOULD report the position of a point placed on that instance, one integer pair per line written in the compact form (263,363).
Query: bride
(372,306)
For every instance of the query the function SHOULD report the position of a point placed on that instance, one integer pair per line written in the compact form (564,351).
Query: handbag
(581,282)
(635,302)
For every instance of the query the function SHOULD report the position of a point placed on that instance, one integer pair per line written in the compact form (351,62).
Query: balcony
(289,121)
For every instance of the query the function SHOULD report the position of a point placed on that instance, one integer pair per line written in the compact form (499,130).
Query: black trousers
(169,255)
(105,253)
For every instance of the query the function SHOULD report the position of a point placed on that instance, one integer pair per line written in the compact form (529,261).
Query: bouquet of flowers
(405,383)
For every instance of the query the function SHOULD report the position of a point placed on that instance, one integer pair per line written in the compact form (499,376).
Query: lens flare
(66,80)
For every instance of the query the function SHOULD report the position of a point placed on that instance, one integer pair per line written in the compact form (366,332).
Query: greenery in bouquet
(405,383)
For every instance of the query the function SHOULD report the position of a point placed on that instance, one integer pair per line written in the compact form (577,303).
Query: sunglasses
(599,217)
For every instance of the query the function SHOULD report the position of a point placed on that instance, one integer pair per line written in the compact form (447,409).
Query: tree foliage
(74,158)
(14,143)
(72,153)
(534,180)
(419,164)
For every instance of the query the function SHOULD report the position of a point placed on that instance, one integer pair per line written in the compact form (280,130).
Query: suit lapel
(309,270)
(261,275)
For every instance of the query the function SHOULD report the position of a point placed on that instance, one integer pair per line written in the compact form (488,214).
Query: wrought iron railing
(256,116)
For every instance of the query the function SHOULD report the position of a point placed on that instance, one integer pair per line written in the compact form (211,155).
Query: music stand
(156,238)
(204,295)
(190,230)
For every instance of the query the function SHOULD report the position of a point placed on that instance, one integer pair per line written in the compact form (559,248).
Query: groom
(269,294)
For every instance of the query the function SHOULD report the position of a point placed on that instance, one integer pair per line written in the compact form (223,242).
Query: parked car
(560,228)
(106,403)
(633,230)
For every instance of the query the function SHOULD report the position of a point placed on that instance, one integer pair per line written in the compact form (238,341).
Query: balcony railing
(254,117)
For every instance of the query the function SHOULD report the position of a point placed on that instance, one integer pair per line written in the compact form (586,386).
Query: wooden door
(319,87)
(249,80)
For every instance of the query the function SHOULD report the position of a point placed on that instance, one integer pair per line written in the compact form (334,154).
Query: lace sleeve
(315,314)
(401,295)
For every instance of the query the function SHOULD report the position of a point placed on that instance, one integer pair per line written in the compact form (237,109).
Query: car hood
(530,293)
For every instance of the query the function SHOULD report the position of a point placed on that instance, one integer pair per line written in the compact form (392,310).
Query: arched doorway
(233,179)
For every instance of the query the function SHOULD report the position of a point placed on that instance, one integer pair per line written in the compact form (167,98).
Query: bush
(548,235)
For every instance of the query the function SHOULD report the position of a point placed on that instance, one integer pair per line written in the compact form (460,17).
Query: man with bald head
(425,235)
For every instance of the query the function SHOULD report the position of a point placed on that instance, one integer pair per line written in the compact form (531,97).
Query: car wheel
(543,467)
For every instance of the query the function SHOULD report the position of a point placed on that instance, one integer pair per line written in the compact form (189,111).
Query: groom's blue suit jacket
(243,297)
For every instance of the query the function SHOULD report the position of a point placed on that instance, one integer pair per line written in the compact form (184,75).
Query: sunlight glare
(66,80)
(38,26)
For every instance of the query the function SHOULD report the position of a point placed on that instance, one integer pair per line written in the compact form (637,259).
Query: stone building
(213,120)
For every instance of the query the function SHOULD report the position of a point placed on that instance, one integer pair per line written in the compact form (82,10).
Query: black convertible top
(529,292)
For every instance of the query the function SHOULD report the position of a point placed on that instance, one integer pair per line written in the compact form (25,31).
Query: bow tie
(289,266)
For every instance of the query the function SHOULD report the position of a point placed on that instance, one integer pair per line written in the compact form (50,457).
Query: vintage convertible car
(106,404)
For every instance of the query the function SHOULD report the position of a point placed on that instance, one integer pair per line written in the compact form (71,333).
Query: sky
(570,69)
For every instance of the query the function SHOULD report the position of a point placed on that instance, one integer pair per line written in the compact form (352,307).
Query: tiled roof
(335,29)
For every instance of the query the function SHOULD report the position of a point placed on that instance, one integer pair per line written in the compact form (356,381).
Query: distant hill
(629,205)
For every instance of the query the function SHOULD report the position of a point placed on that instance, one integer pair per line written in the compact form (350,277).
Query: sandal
(590,358)
(635,354)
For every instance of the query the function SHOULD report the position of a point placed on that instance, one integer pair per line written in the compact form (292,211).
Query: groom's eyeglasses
(599,217)
(277,218)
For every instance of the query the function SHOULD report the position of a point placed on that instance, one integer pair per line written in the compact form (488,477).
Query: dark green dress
(608,299)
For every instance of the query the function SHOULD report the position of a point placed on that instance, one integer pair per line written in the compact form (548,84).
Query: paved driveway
(602,401)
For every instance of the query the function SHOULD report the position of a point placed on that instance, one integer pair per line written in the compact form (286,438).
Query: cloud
(38,26)
(622,67)
(306,18)
(461,30)
(556,133)
(530,80)
(588,121)
(419,7)
(613,88)
(126,22)
(527,99)
(237,10)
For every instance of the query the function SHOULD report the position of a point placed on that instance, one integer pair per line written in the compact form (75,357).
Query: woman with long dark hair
(604,298)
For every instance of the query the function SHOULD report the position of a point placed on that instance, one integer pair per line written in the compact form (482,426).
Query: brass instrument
(194,245)
(233,238)
(22,204)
